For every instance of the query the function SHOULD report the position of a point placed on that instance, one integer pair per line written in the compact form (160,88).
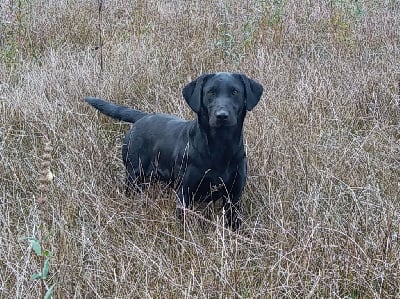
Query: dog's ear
(192,92)
(253,91)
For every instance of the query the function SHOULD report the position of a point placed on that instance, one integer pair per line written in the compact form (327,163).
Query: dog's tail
(116,111)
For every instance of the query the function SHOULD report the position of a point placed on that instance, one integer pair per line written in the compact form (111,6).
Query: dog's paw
(234,224)
(179,214)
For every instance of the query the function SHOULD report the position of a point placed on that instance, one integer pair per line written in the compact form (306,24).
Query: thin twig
(100,6)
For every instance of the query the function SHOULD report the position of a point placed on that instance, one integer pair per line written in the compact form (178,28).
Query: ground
(321,206)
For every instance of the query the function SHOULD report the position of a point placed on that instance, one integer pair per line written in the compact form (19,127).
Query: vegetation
(322,203)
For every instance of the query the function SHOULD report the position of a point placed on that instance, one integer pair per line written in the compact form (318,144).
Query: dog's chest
(215,184)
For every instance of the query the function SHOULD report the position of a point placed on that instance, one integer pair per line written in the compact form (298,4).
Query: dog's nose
(222,115)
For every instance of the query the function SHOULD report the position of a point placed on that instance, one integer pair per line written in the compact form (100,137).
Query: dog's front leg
(232,201)
(182,203)
(233,211)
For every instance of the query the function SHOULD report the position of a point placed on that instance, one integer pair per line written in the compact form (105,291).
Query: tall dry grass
(322,210)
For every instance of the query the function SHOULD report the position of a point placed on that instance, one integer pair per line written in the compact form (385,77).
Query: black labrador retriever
(204,158)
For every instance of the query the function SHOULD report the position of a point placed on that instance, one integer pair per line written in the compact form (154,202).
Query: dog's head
(222,98)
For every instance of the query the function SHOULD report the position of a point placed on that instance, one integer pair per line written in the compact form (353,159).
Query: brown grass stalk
(321,209)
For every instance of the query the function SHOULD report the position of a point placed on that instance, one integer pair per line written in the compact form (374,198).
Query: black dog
(203,158)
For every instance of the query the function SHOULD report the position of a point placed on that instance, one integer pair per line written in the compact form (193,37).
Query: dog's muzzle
(222,118)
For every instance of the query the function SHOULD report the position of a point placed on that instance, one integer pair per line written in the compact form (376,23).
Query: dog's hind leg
(133,180)
(129,183)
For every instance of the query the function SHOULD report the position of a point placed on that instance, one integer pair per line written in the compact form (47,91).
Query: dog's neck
(223,144)
(220,143)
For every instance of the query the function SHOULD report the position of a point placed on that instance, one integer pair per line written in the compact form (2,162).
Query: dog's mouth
(220,123)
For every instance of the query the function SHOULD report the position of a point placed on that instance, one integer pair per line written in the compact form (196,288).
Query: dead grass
(322,211)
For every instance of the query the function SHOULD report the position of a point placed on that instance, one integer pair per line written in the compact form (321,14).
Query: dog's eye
(211,93)
(234,92)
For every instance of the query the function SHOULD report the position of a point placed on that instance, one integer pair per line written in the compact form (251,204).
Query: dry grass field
(322,201)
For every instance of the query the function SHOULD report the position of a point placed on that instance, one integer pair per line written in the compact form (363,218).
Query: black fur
(204,158)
